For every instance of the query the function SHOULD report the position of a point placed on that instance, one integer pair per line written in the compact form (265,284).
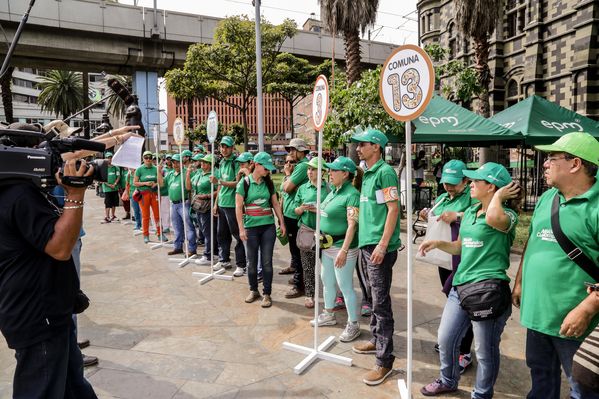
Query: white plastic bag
(436,230)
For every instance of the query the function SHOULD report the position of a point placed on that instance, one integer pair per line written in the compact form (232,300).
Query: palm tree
(476,20)
(5,87)
(349,17)
(61,92)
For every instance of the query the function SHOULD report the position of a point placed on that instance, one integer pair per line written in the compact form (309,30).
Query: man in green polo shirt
(549,287)
(378,241)
(225,209)
(111,189)
(297,149)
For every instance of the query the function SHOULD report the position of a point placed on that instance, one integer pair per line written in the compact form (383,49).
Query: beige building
(544,47)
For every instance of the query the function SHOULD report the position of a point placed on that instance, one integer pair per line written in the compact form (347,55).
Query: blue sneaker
(146,239)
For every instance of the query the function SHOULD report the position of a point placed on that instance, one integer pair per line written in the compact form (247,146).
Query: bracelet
(116,139)
(73,207)
(74,201)
(343,250)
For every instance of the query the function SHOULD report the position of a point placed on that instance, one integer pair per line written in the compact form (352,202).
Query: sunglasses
(148,157)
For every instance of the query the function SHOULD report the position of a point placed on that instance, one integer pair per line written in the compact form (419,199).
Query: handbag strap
(572,251)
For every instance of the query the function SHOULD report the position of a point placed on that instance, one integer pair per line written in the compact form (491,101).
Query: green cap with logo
(197,157)
(313,163)
(147,153)
(453,172)
(177,158)
(187,153)
(169,156)
(228,141)
(245,157)
(491,172)
(342,163)
(265,160)
(108,155)
(373,136)
(199,147)
(579,144)
(207,158)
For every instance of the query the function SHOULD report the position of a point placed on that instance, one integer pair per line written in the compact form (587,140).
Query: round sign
(178,131)
(212,126)
(320,102)
(407,82)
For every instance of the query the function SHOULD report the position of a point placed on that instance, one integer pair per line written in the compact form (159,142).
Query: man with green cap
(225,209)
(195,173)
(378,237)
(111,189)
(549,287)
(165,167)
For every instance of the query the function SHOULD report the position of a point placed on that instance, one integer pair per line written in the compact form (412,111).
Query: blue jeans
(52,369)
(137,214)
(487,335)
(178,212)
(545,356)
(378,278)
(204,224)
(261,240)
(227,230)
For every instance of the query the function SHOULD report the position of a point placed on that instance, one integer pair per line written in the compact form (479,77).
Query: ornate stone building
(544,47)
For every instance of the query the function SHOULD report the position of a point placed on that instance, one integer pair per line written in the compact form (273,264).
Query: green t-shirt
(458,203)
(335,209)
(164,187)
(258,211)
(298,177)
(552,284)
(485,250)
(123,180)
(145,174)
(173,182)
(228,172)
(379,186)
(194,178)
(114,172)
(132,188)
(306,194)
(202,183)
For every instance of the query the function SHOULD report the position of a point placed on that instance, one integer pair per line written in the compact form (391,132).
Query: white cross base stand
(217,275)
(314,354)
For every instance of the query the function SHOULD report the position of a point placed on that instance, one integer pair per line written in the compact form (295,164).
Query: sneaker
(146,239)
(364,348)
(114,218)
(106,220)
(309,302)
(166,230)
(253,295)
(377,375)
(294,293)
(266,301)
(191,253)
(239,271)
(83,344)
(89,361)
(204,260)
(351,332)
(465,361)
(221,265)
(339,303)
(162,238)
(287,270)
(175,252)
(325,319)
(436,388)
(366,311)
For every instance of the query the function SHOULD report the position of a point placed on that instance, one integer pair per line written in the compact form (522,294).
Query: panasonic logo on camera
(34,157)
(39,169)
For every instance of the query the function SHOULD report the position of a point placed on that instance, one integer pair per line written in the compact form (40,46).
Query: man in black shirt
(38,283)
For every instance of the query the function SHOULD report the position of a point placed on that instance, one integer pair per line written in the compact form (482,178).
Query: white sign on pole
(405,88)
(212,126)
(320,102)
(178,131)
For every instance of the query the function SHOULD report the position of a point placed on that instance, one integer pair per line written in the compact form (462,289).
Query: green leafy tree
(200,134)
(61,92)
(358,107)
(228,66)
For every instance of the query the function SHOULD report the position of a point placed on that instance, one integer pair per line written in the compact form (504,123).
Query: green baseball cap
(176,158)
(265,160)
(228,141)
(187,153)
(108,155)
(199,147)
(169,156)
(197,157)
(453,172)
(245,157)
(490,172)
(371,136)
(207,158)
(579,144)
(342,163)
(313,163)
(147,153)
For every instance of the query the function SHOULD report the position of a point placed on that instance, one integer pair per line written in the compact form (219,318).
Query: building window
(423,24)
(512,93)
(24,99)
(452,42)
(515,18)
(23,83)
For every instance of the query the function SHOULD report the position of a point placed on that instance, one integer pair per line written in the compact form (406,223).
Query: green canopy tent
(449,123)
(542,121)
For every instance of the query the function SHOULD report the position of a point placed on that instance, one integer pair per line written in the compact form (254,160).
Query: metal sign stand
(318,351)
(161,243)
(212,129)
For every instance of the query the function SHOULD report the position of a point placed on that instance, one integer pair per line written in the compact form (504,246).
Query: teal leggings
(344,277)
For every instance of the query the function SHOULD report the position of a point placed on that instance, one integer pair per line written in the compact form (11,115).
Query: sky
(396,21)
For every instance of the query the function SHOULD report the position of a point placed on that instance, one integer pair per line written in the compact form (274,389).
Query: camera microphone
(132,113)
(121,91)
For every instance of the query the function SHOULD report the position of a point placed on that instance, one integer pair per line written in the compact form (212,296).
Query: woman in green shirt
(486,235)
(339,223)
(130,189)
(254,208)
(305,208)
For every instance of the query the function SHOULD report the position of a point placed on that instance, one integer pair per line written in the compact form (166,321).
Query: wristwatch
(459,217)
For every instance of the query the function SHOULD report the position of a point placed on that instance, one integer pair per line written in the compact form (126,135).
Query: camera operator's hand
(70,169)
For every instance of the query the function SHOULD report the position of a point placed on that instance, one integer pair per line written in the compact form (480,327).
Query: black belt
(177,202)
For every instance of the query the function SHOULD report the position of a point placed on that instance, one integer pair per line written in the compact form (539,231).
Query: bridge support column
(145,86)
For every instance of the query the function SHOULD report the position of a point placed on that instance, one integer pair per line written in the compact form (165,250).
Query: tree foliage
(357,107)
(199,134)
(61,92)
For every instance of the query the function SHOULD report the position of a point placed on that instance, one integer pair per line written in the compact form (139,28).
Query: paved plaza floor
(160,334)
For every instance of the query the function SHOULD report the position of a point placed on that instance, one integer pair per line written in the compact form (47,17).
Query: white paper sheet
(129,154)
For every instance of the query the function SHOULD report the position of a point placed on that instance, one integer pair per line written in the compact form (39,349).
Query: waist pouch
(485,300)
